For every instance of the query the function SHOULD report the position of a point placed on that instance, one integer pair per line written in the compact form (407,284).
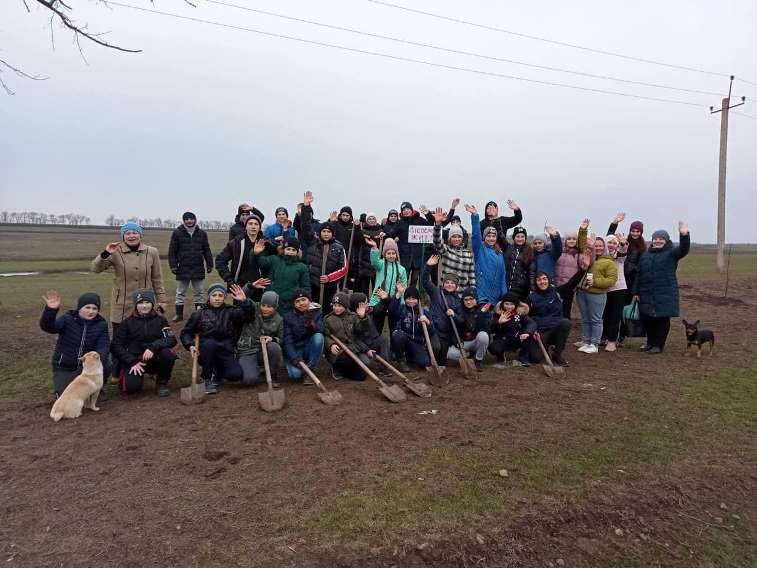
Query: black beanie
(511,297)
(292,242)
(412,292)
(469,293)
(253,216)
(189,215)
(520,230)
(301,293)
(280,210)
(88,298)
(357,298)
(346,209)
(491,203)
(326,226)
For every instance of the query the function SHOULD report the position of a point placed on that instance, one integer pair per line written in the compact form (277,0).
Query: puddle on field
(5,274)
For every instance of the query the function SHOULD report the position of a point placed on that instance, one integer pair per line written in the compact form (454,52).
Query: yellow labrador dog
(84,389)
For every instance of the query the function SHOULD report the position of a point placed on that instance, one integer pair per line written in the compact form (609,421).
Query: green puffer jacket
(344,327)
(387,274)
(605,274)
(249,339)
(287,274)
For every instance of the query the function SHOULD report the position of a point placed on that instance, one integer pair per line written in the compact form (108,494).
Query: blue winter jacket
(407,320)
(76,336)
(276,230)
(491,280)
(299,327)
(546,260)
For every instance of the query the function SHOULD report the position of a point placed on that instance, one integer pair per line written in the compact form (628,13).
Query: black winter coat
(473,322)
(345,232)
(76,336)
(546,305)
(137,333)
(440,301)
(502,224)
(520,276)
(517,325)
(219,324)
(366,269)
(410,254)
(189,255)
(236,251)
(336,259)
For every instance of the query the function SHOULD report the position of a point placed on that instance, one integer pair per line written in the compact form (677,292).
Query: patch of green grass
(700,264)
(454,484)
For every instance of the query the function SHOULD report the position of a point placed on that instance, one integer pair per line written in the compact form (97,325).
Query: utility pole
(725,106)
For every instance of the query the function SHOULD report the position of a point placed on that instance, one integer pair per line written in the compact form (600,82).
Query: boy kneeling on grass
(215,323)
(303,336)
(268,326)
(143,344)
(79,331)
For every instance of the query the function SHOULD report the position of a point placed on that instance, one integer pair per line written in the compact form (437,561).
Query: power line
(406,59)
(552,41)
(461,52)
(744,114)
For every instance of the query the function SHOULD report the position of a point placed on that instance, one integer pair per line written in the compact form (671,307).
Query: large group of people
(303,288)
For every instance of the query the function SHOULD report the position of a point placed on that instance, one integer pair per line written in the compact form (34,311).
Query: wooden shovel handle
(391,367)
(266,365)
(543,350)
(357,360)
(312,375)
(195,357)
(430,349)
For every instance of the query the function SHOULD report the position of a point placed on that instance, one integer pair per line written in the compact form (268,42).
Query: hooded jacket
(218,324)
(408,320)
(249,340)
(336,258)
(458,261)
(238,227)
(604,271)
(299,327)
(387,274)
(189,255)
(491,277)
(546,260)
(568,263)
(546,307)
(287,274)
(519,324)
(236,264)
(520,275)
(440,302)
(410,253)
(76,336)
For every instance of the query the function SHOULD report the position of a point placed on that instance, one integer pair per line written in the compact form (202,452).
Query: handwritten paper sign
(420,234)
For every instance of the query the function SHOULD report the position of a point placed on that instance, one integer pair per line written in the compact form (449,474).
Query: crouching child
(266,326)
(215,323)
(474,329)
(79,331)
(408,342)
(144,343)
(444,307)
(366,335)
(512,330)
(303,336)
(340,324)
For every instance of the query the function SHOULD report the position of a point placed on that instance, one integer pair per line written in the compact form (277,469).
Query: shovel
(322,285)
(332,398)
(464,362)
(414,386)
(393,392)
(550,369)
(195,392)
(436,377)
(271,400)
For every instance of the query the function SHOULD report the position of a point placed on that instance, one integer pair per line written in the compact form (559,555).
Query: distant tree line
(39,218)
(158,223)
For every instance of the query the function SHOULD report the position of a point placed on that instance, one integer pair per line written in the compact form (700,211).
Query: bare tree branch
(27,6)
(78,30)
(18,72)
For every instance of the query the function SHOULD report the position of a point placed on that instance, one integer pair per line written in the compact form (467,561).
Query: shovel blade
(271,401)
(419,389)
(194,394)
(549,371)
(332,398)
(394,393)
(437,379)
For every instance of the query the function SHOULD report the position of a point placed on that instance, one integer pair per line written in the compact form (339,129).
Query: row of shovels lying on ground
(272,399)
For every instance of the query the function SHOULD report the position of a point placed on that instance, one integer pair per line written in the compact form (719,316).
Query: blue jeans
(407,349)
(591,306)
(309,351)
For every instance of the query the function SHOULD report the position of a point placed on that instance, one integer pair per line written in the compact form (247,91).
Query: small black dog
(698,337)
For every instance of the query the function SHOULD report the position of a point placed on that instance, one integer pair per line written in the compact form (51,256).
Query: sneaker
(479,365)
(523,363)
(603,342)
(610,346)
(163,390)
(589,348)
(384,372)
(517,363)
(211,387)
(335,375)
(644,347)
(654,351)
(579,343)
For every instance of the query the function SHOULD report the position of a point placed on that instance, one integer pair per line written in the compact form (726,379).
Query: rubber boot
(179,314)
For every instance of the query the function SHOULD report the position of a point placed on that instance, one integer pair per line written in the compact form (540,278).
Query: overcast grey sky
(206,117)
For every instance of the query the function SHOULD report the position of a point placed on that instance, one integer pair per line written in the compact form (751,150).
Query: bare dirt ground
(595,474)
